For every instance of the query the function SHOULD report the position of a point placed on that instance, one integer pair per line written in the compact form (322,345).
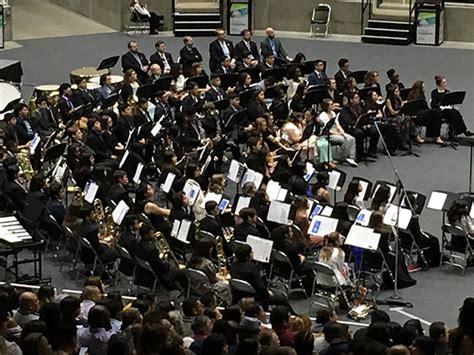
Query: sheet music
(363,217)
(261,248)
(124,159)
(471,211)
(235,171)
(322,226)
(130,134)
(138,173)
(273,189)
(119,212)
(184,230)
(59,172)
(327,211)
(34,143)
(206,163)
(211,196)
(279,212)
(243,202)
(437,200)
(175,230)
(363,237)
(404,216)
(90,191)
(192,191)
(156,129)
(392,188)
(333,180)
(282,195)
(166,186)
(309,171)
(253,176)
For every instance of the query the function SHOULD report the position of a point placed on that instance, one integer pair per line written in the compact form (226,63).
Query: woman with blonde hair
(333,256)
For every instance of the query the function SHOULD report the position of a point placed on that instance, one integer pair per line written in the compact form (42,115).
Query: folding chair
(281,270)
(142,269)
(320,17)
(140,24)
(198,282)
(411,248)
(330,293)
(352,212)
(366,187)
(374,269)
(459,246)
(72,248)
(54,232)
(241,288)
(126,266)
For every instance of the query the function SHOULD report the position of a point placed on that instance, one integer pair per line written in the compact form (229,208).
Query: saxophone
(221,259)
(100,218)
(24,163)
(166,254)
(77,192)
(112,233)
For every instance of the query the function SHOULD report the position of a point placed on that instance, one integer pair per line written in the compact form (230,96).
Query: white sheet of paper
(404,216)
(59,172)
(363,217)
(184,230)
(124,159)
(327,211)
(242,202)
(156,129)
(261,248)
(211,196)
(279,212)
(235,171)
(119,212)
(34,143)
(310,207)
(192,191)
(273,189)
(166,187)
(206,163)
(282,195)
(471,211)
(309,171)
(253,176)
(138,173)
(175,230)
(362,237)
(129,138)
(333,179)
(437,200)
(90,191)
(322,226)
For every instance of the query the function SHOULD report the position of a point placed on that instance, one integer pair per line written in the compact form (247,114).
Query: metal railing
(365,5)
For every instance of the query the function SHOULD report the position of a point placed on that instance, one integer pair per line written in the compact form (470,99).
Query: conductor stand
(470,142)
(395,299)
(410,110)
(449,100)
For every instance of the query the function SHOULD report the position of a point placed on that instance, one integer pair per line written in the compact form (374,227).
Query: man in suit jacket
(219,48)
(13,190)
(318,76)
(248,226)
(247,45)
(155,73)
(24,130)
(342,74)
(215,93)
(273,45)
(162,58)
(65,104)
(135,60)
(189,55)
(225,66)
(40,120)
(81,96)
(96,142)
(245,62)
(118,191)
(268,62)
(210,223)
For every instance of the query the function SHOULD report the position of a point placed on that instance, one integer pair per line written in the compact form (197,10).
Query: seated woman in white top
(333,256)
(345,142)
(143,13)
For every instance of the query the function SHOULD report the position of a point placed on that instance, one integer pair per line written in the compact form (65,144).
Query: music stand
(228,80)
(147,91)
(221,104)
(278,73)
(308,67)
(272,93)
(55,152)
(404,93)
(245,96)
(452,99)
(363,93)
(470,142)
(291,67)
(11,105)
(359,76)
(108,63)
(111,100)
(201,80)
(254,73)
(315,97)
(410,109)
(163,84)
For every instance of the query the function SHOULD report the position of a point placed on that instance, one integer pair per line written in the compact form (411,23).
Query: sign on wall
(239,16)
(426,27)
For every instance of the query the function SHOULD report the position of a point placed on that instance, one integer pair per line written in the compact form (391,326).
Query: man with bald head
(155,73)
(28,305)
(272,45)
(189,55)
(220,48)
(90,295)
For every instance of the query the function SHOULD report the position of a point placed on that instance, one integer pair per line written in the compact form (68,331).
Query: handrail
(364,4)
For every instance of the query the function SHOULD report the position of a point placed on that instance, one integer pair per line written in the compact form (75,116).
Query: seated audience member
(96,336)
(461,338)
(338,337)
(423,345)
(28,306)
(90,296)
(143,13)
(439,333)
(279,319)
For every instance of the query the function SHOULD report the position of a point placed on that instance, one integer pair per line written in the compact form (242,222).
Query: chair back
(198,281)
(352,212)
(366,187)
(242,287)
(323,269)
(321,14)
(123,253)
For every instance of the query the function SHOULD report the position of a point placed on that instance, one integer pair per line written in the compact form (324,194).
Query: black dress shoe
(468,133)
(372,156)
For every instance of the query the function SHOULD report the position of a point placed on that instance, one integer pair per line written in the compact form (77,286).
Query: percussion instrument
(8,93)
(44,90)
(87,73)
(90,86)
(115,79)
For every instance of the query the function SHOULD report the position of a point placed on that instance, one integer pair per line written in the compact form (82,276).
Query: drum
(8,93)
(87,73)
(90,86)
(46,89)
(115,79)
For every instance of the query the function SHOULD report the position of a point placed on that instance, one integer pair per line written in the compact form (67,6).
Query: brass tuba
(24,163)
(100,219)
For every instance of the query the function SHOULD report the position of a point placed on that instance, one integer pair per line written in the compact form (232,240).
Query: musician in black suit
(162,58)
(13,190)
(248,226)
(65,105)
(180,208)
(245,62)
(318,76)
(211,223)
(342,74)
(273,45)
(135,60)
(163,108)
(192,98)
(219,48)
(96,142)
(245,269)
(189,55)
(24,129)
(225,66)
(81,96)
(215,93)
(247,45)
(124,123)
(268,62)
(118,190)
(142,115)
(40,120)
(128,239)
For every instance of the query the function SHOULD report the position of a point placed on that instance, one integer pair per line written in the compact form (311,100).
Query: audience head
(279,317)
(192,307)
(343,64)
(398,350)
(248,214)
(28,302)
(423,345)
(201,325)
(439,333)
(99,317)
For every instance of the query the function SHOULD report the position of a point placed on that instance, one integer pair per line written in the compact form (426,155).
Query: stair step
(403,41)
(197,26)
(386,32)
(397,25)
(194,32)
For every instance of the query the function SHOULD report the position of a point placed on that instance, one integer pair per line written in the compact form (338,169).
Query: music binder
(119,212)
(453,98)
(395,214)
(90,191)
(261,248)
(242,202)
(365,119)
(108,63)
(191,190)
(362,237)
(279,212)
(166,186)
(363,217)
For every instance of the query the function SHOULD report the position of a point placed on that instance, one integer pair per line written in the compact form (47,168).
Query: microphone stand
(395,299)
